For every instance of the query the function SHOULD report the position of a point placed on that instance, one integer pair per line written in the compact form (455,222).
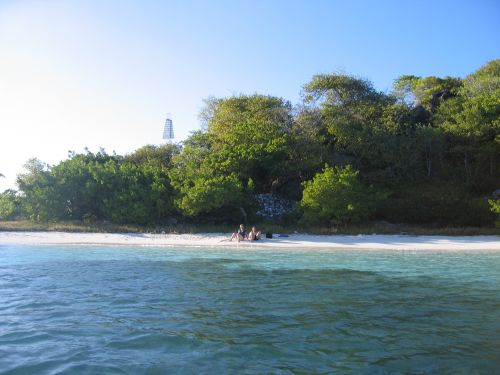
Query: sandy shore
(387,242)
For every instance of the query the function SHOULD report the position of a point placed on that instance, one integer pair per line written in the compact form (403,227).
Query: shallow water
(106,310)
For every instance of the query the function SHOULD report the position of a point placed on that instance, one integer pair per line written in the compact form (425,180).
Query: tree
(472,123)
(243,150)
(428,92)
(251,137)
(432,143)
(477,113)
(134,194)
(367,129)
(39,197)
(495,208)
(336,196)
(154,155)
(202,184)
(310,149)
(99,186)
(211,193)
(9,205)
(76,186)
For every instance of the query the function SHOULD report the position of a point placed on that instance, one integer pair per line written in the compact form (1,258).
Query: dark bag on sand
(269,235)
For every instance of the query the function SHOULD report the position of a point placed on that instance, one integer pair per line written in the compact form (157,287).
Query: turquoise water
(124,310)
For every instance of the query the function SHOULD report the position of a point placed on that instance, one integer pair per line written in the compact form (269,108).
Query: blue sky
(92,73)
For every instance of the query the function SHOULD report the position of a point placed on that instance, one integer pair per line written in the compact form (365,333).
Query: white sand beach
(385,242)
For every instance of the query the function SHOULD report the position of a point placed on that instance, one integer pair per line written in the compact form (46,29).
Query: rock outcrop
(272,206)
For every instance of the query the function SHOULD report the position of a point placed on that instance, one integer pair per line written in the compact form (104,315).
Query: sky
(105,73)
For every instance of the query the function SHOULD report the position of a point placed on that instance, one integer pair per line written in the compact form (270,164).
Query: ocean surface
(151,310)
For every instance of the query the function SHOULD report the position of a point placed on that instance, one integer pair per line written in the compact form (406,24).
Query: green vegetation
(426,153)
(9,205)
(336,196)
(495,207)
(89,187)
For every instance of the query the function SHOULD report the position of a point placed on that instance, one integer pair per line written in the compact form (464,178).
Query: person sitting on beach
(240,235)
(254,235)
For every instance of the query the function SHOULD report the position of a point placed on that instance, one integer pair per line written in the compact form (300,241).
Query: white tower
(168,130)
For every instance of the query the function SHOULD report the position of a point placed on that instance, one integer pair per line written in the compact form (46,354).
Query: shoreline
(373,241)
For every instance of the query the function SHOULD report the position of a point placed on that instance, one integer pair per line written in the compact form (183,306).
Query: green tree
(39,197)
(212,193)
(136,192)
(310,148)
(336,196)
(428,92)
(129,197)
(244,149)
(251,137)
(472,123)
(202,184)
(99,186)
(78,191)
(9,205)
(154,155)
(368,129)
(351,110)
(495,208)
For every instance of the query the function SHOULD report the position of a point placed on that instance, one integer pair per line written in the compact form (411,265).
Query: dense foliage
(426,152)
(89,187)
(9,205)
(336,196)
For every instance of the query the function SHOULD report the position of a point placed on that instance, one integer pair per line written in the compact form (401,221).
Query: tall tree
(243,150)
(472,123)
(251,135)
(367,128)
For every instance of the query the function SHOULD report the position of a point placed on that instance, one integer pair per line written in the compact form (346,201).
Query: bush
(9,205)
(495,207)
(439,203)
(336,196)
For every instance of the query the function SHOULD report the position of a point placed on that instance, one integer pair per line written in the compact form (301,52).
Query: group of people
(241,234)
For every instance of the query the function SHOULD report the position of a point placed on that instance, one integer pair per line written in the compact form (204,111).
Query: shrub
(9,205)
(336,196)
(438,203)
(495,207)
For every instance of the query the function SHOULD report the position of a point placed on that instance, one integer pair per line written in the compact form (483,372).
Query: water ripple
(123,311)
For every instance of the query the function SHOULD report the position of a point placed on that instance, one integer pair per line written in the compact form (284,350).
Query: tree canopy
(428,151)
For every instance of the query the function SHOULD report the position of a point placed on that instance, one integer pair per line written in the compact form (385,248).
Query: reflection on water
(138,310)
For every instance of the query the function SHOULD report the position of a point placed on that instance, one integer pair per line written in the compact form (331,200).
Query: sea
(180,310)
